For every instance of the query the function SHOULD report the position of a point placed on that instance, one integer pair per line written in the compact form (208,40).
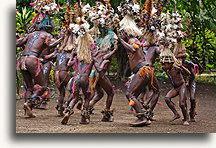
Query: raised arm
(127,46)
(184,69)
(158,50)
(107,56)
(71,60)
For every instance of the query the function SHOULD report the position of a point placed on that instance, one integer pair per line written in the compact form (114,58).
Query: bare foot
(186,123)
(65,119)
(28,111)
(175,117)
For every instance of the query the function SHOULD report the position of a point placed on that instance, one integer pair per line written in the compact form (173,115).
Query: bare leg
(141,96)
(59,106)
(171,94)
(98,95)
(107,86)
(28,80)
(182,104)
(28,94)
(135,88)
(73,99)
(192,91)
(155,94)
(84,82)
(46,71)
(29,76)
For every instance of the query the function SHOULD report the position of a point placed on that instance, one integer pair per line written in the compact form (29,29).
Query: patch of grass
(206,79)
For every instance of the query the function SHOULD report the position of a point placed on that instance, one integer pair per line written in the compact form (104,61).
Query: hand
(178,63)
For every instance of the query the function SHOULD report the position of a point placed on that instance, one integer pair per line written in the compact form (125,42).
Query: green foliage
(202,31)
(23,19)
(206,80)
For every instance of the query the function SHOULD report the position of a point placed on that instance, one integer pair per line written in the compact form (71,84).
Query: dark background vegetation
(201,41)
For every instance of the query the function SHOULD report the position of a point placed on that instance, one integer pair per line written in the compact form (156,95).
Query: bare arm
(51,43)
(52,55)
(21,41)
(107,56)
(185,70)
(70,61)
(71,58)
(127,46)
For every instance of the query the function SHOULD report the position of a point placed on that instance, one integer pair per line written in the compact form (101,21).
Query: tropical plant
(23,20)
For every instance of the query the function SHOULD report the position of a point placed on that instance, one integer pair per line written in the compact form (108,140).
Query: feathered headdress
(103,13)
(94,31)
(70,38)
(107,42)
(46,23)
(80,26)
(170,30)
(44,8)
(84,41)
(129,9)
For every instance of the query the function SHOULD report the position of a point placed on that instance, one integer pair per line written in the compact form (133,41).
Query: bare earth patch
(46,121)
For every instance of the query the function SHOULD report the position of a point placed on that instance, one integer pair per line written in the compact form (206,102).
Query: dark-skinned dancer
(63,57)
(151,52)
(85,45)
(100,81)
(175,74)
(29,63)
(144,76)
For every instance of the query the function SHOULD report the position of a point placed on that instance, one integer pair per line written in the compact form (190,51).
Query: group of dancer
(82,57)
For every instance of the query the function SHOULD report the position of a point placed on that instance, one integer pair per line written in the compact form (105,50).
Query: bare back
(62,61)
(37,41)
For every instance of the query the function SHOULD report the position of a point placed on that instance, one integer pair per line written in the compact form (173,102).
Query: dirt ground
(46,121)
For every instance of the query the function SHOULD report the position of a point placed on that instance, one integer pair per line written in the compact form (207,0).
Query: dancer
(85,45)
(144,76)
(175,74)
(180,54)
(29,63)
(98,80)
(151,52)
